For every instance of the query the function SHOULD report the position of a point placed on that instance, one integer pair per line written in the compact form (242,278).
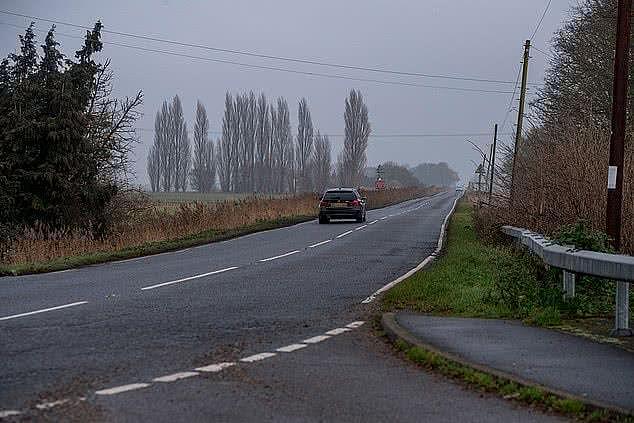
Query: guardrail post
(569,284)
(622,320)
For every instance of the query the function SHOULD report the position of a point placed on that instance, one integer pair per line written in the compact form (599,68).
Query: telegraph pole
(495,140)
(619,115)
(520,113)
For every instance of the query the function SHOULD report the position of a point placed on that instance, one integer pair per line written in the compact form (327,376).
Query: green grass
(148,248)
(461,281)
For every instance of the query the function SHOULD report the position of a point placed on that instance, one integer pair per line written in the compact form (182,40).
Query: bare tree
(226,151)
(203,170)
(321,163)
(263,146)
(304,148)
(180,141)
(153,168)
(352,160)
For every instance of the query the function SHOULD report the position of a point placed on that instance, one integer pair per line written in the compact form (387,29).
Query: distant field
(208,197)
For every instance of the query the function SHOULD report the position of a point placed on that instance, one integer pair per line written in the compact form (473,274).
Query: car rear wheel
(323,220)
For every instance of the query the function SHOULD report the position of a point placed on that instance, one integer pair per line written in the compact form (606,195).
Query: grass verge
(463,281)
(148,248)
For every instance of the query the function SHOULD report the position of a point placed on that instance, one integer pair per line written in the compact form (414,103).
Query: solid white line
(355,325)
(320,243)
(337,331)
(291,348)
(175,376)
(315,339)
(280,256)
(9,413)
(384,217)
(257,357)
(373,222)
(44,310)
(422,264)
(122,388)
(188,279)
(344,234)
(360,227)
(214,368)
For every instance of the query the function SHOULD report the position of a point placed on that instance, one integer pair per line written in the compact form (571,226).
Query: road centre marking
(175,376)
(291,348)
(44,310)
(373,222)
(315,339)
(214,368)
(51,404)
(344,234)
(257,357)
(355,325)
(320,243)
(360,227)
(122,388)
(384,217)
(280,256)
(9,413)
(338,331)
(215,272)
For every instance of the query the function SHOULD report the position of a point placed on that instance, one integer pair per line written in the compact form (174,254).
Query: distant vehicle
(379,184)
(342,203)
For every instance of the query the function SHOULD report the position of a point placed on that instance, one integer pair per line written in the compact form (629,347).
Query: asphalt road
(145,339)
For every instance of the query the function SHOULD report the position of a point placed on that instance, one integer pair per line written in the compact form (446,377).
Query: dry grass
(153,223)
(561,178)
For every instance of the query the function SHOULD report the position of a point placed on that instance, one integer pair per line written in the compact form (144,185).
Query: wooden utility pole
(619,116)
(495,140)
(520,113)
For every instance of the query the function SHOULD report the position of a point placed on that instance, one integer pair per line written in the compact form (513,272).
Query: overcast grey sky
(472,38)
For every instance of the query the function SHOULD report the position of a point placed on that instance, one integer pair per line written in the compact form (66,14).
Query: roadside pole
(520,113)
(619,116)
(495,140)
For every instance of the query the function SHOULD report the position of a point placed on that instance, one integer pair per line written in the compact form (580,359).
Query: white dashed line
(257,357)
(9,413)
(338,331)
(44,310)
(373,222)
(384,217)
(360,227)
(122,388)
(215,272)
(291,348)
(175,376)
(355,325)
(48,405)
(344,234)
(214,368)
(320,243)
(315,339)
(280,256)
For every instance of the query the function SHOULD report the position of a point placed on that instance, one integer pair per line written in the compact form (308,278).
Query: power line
(287,70)
(539,24)
(267,56)
(403,135)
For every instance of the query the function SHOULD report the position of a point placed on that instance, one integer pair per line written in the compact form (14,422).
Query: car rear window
(340,196)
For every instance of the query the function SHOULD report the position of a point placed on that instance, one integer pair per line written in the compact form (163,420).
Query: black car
(342,203)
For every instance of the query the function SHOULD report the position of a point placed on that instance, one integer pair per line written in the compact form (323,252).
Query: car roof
(340,189)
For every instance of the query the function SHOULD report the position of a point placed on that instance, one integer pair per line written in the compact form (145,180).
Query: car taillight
(324,204)
(354,203)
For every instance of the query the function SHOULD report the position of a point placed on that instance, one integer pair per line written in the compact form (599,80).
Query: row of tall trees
(256,151)
(64,140)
